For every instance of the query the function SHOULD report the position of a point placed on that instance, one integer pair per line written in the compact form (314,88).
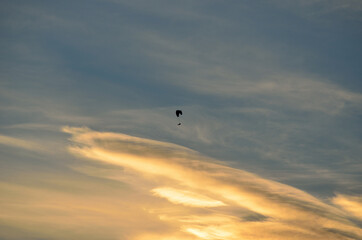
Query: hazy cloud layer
(20,143)
(268,87)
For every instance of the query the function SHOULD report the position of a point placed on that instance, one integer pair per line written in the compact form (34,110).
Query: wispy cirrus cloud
(20,143)
(186,197)
(191,66)
(320,8)
(285,211)
(351,204)
(272,86)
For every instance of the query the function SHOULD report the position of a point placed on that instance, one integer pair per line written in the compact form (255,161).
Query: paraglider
(178,113)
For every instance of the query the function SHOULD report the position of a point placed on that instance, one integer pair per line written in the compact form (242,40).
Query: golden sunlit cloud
(278,211)
(137,189)
(186,197)
(352,204)
(209,233)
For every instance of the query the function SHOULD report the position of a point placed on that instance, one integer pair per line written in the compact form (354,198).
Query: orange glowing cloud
(251,207)
(186,197)
(352,204)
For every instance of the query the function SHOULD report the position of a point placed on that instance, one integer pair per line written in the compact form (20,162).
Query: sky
(269,145)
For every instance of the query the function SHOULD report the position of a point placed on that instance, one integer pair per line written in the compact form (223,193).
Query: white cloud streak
(187,198)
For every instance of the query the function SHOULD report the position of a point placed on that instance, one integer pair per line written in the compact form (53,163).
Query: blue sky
(270,88)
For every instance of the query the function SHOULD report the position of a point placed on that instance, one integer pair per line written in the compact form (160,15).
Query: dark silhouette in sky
(178,113)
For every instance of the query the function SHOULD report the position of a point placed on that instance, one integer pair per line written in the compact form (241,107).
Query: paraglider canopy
(178,113)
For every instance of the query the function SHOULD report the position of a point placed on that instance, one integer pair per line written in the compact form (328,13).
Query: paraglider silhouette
(178,113)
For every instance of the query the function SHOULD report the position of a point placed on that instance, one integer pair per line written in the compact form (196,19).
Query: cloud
(351,204)
(323,7)
(78,210)
(187,198)
(289,91)
(284,211)
(264,81)
(66,66)
(20,143)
